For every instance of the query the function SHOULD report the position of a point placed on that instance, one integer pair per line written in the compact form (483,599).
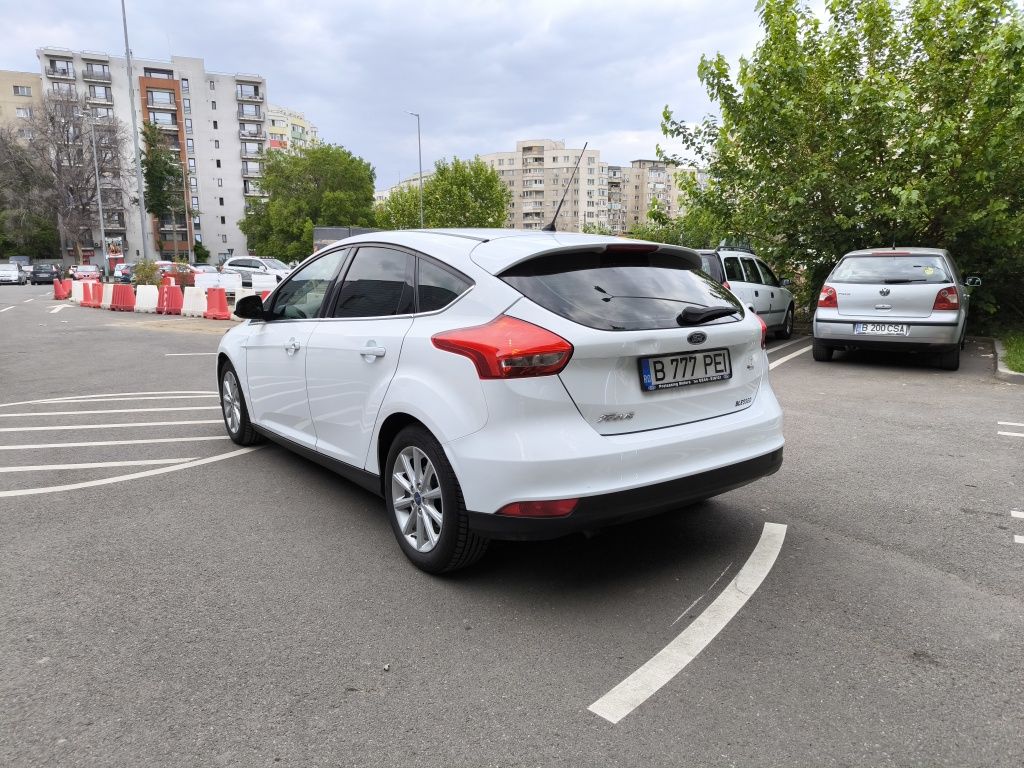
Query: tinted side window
(750,267)
(437,287)
(302,295)
(767,276)
(733,270)
(378,284)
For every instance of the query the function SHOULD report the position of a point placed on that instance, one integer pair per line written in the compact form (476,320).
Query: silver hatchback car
(905,299)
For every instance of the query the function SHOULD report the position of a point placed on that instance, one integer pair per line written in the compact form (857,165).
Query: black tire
(787,325)
(236,419)
(821,353)
(456,546)
(950,359)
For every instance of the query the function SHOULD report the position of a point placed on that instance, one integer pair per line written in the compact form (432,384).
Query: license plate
(881,329)
(684,369)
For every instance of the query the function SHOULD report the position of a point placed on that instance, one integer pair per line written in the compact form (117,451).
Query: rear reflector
(947,298)
(827,298)
(764,332)
(559,508)
(508,348)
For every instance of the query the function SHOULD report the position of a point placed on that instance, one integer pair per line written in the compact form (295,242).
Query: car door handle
(756,293)
(369,351)
(292,346)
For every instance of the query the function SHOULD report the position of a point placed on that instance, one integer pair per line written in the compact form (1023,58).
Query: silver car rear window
(900,268)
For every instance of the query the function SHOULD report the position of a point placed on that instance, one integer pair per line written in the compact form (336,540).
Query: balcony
(102,101)
(247,155)
(258,117)
(95,76)
(252,173)
(166,126)
(61,73)
(249,97)
(113,224)
(253,191)
(158,104)
(258,134)
(178,226)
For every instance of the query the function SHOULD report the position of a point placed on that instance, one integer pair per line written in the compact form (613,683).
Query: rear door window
(378,284)
(733,270)
(750,267)
(437,287)
(618,291)
(767,276)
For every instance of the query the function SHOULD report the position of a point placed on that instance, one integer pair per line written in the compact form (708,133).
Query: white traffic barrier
(76,292)
(108,295)
(194,304)
(261,283)
(229,281)
(146,297)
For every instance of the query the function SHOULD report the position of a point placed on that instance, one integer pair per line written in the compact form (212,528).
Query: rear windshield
(618,291)
(712,266)
(891,269)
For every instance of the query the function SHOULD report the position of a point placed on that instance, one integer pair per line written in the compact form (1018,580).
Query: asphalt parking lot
(183,602)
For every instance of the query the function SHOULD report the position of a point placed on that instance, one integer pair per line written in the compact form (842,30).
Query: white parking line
(101,398)
(96,465)
(58,308)
(111,399)
(188,354)
(673,658)
(777,347)
(1018,539)
(1017,513)
(112,410)
(1010,424)
(1011,434)
(129,425)
(133,476)
(781,360)
(148,441)
(6,309)
(26,301)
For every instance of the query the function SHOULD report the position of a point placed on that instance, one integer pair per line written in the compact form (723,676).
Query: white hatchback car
(506,384)
(247,266)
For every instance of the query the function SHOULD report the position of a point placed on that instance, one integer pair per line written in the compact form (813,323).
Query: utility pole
(135,136)
(419,148)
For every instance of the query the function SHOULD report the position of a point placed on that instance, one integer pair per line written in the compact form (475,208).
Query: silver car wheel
(417,505)
(231,402)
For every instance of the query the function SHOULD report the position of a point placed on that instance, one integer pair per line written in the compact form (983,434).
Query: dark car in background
(44,273)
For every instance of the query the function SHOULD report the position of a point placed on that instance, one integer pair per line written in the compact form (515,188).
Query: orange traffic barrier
(58,289)
(123,299)
(174,300)
(92,294)
(115,297)
(167,280)
(217,304)
(161,300)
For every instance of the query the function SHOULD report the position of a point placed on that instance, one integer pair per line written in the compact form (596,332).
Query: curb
(1002,372)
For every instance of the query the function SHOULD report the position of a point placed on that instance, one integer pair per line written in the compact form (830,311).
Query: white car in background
(755,285)
(506,384)
(247,266)
(11,273)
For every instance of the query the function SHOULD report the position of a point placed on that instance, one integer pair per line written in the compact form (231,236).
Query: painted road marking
(777,347)
(96,465)
(1017,513)
(1010,424)
(111,399)
(673,658)
(26,301)
(188,354)
(1011,434)
(129,425)
(706,591)
(58,308)
(6,309)
(1018,539)
(781,360)
(133,476)
(174,394)
(112,410)
(148,441)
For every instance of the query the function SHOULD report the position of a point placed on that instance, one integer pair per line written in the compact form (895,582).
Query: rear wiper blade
(902,281)
(695,316)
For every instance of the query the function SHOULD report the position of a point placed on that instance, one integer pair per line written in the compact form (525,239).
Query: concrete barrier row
(210,303)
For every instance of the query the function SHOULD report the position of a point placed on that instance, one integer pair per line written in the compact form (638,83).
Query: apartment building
(288,130)
(646,183)
(20,97)
(214,121)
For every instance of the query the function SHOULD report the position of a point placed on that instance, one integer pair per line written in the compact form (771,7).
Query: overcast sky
(481,74)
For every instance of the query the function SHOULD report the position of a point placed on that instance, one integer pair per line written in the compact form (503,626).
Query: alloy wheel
(231,402)
(417,498)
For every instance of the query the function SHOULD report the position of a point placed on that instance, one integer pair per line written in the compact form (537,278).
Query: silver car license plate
(684,369)
(881,329)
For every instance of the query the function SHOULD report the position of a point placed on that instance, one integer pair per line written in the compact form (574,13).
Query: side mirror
(785,282)
(250,308)
(263,267)
(973,281)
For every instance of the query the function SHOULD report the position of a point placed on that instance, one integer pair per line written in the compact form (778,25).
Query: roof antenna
(551,227)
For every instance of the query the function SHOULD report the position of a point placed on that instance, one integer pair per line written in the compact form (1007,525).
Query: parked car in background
(12,274)
(907,299)
(123,273)
(86,272)
(44,273)
(506,384)
(755,284)
(247,266)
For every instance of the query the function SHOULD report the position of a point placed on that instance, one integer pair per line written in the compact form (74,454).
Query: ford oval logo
(697,337)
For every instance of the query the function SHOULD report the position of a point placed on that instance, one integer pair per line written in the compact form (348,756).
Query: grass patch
(1014,344)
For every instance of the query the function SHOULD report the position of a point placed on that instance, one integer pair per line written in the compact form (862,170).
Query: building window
(64,88)
(213,85)
(103,111)
(192,165)
(190,145)
(195,203)
(247,91)
(223,238)
(199,237)
(215,125)
(193,183)
(22,90)
(249,110)
(221,199)
(223,220)
(25,112)
(62,67)
(161,74)
(216,143)
(220,182)
(213,105)
(184,84)
(163,118)
(161,98)
(218,163)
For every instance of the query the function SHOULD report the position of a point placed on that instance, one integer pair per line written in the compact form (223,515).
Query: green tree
(883,123)
(321,185)
(462,193)
(202,253)
(162,176)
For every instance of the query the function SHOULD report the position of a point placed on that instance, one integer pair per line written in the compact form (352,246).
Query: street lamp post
(419,149)
(135,137)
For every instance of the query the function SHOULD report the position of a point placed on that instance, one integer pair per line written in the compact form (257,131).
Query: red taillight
(764,332)
(508,348)
(827,297)
(727,286)
(947,298)
(558,508)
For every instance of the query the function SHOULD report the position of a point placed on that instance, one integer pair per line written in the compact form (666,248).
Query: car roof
(495,250)
(899,250)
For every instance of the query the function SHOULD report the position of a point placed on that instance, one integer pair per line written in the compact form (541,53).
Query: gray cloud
(482,74)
